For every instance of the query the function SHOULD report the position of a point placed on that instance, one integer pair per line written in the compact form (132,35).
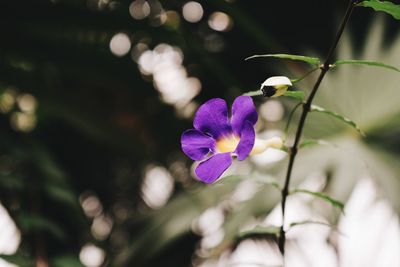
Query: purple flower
(219,138)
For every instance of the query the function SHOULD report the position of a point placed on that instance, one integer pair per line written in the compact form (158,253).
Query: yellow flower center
(227,144)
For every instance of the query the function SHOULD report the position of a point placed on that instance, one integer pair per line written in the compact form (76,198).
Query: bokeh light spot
(219,21)
(120,44)
(7,100)
(23,122)
(90,204)
(157,186)
(27,103)
(91,256)
(139,9)
(192,11)
(272,110)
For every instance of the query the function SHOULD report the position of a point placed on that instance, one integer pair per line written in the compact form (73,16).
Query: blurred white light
(268,157)
(139,9)
(212,240)
(120,44)
(157,187)
(101,227)
(146,62)
(27,103)
(23,122)
(91,205)
(169,76)
(7,100)
(250,253)
(10,236)
(210,221)
(166,53)
(219,21)
(272,110)
(371,228)
(245,190)
(192,11)
(91,256)
(4,263)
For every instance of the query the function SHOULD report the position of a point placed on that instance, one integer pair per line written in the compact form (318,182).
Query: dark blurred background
(94,95)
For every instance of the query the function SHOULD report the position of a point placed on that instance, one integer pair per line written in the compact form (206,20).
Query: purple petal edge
(196,145)
(243,110)
(247,139)
(211,169)
(212,118)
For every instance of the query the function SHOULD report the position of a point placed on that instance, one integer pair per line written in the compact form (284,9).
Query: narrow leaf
(384,6)
(333,227)
(63,194)
(259,231)
(67,260)
(32,223)
(366,62)
(310,60)
(299,95)
(338,116)
(254,93)
(262,179)
(333,202)
(18,260)
(306,143)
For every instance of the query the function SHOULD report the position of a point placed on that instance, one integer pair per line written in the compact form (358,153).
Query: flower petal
(212,118)
(210,170)
(247,139)
(243,110)
(196,145)
(276,81)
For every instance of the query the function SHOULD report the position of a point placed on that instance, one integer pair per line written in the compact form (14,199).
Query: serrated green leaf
(299,95)
(310,60)
(366,62)
(384,6)
(337,116)
(259,231)
(333,202)
(18,260)
(254,93)
(306,143)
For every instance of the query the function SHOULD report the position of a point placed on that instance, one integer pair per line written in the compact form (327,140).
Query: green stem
(306,109)
(290,118)
(304,76)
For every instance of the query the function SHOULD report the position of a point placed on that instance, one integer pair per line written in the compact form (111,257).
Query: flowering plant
(220,139)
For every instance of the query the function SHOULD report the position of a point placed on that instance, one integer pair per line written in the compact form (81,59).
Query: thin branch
(306,109)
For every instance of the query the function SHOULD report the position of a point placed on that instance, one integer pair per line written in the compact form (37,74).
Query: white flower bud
(262,145)
(275,86)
